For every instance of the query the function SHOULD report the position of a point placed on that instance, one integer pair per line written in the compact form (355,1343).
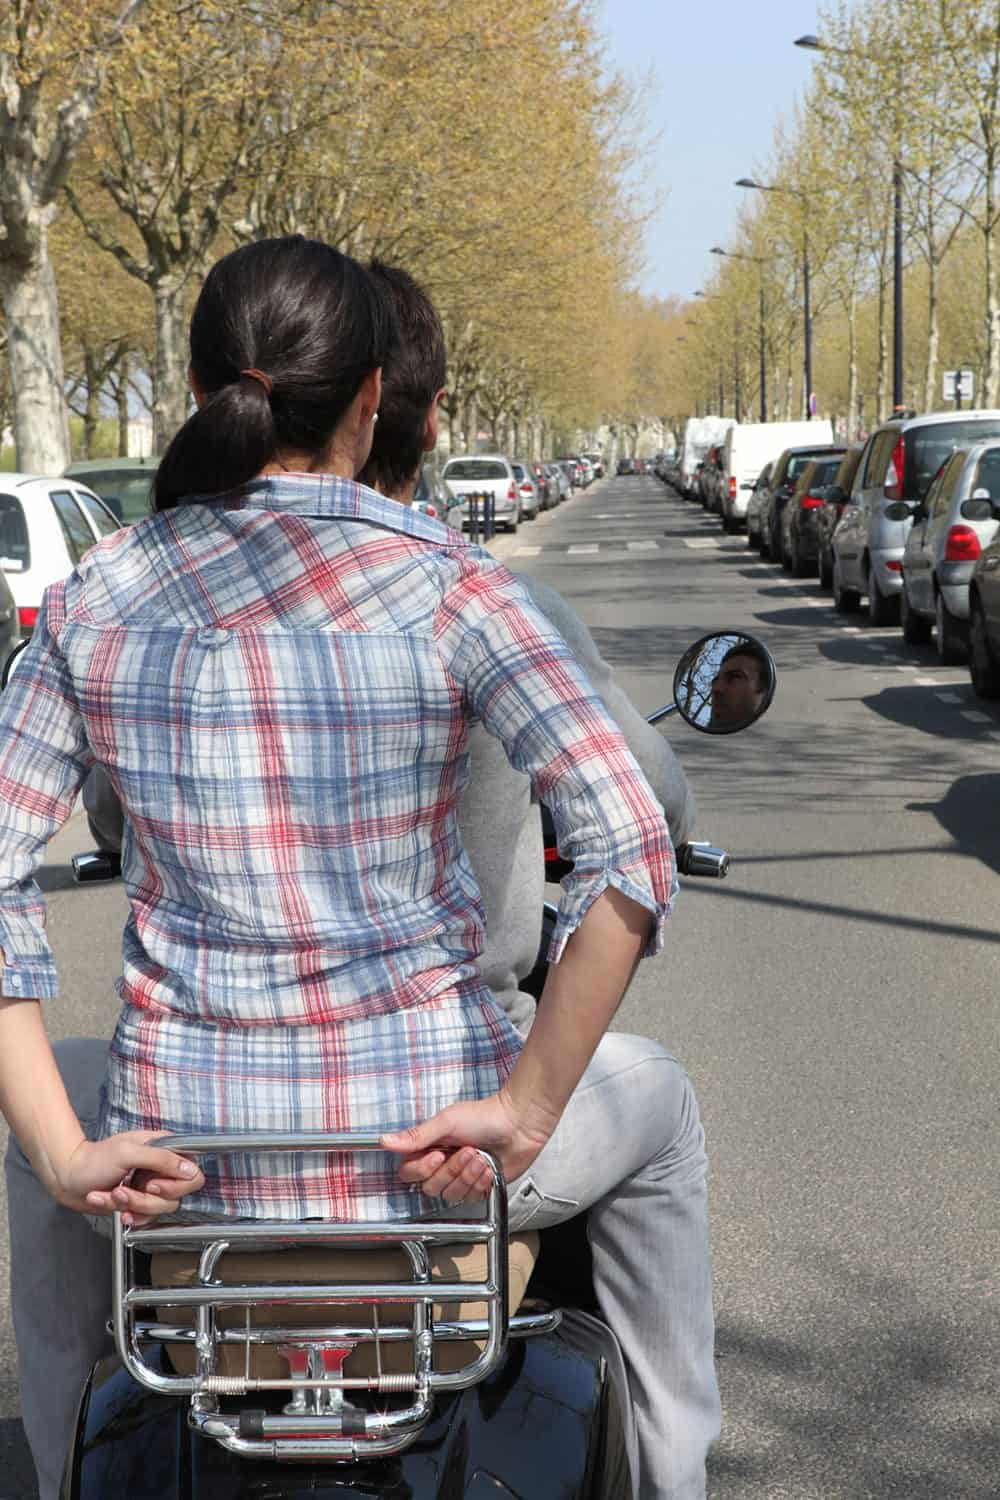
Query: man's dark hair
(756,653)
(411,378)
(282,335)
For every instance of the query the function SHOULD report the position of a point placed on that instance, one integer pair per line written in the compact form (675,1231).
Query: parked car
(431,497)
(951,526)
(474,474)
(625,466)
(547,494)
(710,481)
(900,459)
(46,526)
(588,470)
(596,461)
(560,480)
(760,489)
(785,474)
(10,624)
(984,621)
(747,447)
(837,496)
(124,484)
(799,532)
(575,471)
(527,488)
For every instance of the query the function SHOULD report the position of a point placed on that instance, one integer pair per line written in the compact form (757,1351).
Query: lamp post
(812,43)
(758,260)
(722,372)
(764,187)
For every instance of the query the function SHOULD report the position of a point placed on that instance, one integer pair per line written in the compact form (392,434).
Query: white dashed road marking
(949,698)
(924,681)
(583,547)
(527,551)
(975,717)
(700,543)
(643,546)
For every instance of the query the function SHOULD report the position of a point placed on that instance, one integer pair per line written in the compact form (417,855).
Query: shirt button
(212,638)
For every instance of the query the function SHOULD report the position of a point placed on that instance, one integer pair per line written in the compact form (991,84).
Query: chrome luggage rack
(319,1422)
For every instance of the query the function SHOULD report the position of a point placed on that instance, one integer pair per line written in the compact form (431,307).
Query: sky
(724,72)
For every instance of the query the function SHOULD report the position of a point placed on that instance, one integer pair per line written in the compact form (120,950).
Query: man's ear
(431,424)
(196,390)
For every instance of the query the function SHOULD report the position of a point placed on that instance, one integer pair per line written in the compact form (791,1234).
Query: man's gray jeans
(629,1147)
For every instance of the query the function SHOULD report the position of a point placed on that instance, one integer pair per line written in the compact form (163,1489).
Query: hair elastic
(265,380)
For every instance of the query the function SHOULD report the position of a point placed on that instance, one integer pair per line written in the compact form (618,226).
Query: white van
(751,445)
(700,434)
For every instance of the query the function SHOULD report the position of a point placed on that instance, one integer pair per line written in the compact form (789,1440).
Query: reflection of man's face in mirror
(738,690)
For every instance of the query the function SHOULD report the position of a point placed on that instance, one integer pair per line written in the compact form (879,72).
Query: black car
(799,533)
(784,477)
(837,496)
(625,466)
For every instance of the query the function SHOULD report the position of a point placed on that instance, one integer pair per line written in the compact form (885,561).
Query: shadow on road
(55,878)
(908,707)
(969,813)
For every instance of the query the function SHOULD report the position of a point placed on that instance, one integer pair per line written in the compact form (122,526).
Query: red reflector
(894,567)
(893,486)
(27,614)
(961,545)
(732,486)
(511,492)
(811,502)
(551,855)
(525,488)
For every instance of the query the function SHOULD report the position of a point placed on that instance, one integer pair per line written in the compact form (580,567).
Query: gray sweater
(501,825)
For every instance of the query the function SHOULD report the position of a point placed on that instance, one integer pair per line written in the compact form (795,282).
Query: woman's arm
(582,993)
(80,1174)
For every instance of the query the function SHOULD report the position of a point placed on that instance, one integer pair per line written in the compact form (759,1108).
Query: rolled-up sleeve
(44,757)
(523,683)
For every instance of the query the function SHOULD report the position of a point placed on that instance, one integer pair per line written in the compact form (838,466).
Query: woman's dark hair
(411,377)
(310,323)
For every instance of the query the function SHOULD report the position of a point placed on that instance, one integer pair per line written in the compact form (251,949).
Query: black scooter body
(549,1423)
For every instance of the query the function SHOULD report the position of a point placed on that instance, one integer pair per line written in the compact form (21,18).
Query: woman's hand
(441,1155)
(94,1179)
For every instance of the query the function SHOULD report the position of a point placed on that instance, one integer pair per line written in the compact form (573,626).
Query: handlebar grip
(700,858)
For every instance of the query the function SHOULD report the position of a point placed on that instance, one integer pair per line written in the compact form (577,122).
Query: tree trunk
(91,412)
(170,387)
(41,421)
(992,298)
(121,401)
(852,364)
(882,378)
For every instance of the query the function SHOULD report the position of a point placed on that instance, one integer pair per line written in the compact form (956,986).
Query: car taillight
(894,566)
(27,615)
(961,545)
(732,486)
(811,502)
(511,491)
(526,488)
(893,486)
(432,512)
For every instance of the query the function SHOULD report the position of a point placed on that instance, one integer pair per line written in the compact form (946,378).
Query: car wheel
(753,539)
(916,630)
(951,649)
(881,611)
(729,523)
(845,601)
(825,569)
(983,669)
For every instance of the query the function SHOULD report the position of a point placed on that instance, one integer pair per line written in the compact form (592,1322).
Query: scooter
(442,1357)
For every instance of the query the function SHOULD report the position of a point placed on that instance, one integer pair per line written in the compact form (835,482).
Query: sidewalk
(505,543)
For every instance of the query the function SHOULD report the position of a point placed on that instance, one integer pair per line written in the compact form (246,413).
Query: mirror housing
(724,682)
(898,510)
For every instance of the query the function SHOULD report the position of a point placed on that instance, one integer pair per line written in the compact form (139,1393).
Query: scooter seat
(463,1262)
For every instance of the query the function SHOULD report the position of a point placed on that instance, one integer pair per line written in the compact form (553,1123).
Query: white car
(46,526)
(477,473)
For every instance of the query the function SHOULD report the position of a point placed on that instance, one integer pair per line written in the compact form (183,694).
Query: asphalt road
(835,1002)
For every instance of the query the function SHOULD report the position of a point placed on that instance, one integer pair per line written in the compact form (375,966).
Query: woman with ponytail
(277,671)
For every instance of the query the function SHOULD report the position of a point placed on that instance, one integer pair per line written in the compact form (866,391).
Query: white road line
(975,717)
(700,544)
(852,629)
(527,551)
(893,656)
(924,681)
(643,546)
(949,697)
(583,547)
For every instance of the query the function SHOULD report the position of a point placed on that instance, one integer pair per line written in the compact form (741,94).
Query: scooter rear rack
(319,1422)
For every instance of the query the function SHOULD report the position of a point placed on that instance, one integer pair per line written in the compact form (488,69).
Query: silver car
(958,518)
(899,462)
(479,472)
(527,488)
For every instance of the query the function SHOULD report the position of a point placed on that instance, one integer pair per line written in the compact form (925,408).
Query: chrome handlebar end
(700,858)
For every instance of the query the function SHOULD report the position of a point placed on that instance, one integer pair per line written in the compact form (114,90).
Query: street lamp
(722,372)
(811,43)
(759,260)
(763,187)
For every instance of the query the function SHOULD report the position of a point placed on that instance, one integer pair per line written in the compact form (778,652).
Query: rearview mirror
(898,510)
(724,682)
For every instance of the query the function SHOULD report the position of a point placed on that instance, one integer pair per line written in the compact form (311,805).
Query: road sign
(959,385)
(813,404)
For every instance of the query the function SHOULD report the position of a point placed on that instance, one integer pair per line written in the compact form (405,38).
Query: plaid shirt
(280,683)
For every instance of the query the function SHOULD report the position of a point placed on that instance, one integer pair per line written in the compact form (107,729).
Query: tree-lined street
(835,1002)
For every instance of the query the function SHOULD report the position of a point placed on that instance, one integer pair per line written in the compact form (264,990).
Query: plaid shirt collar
(329,497)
